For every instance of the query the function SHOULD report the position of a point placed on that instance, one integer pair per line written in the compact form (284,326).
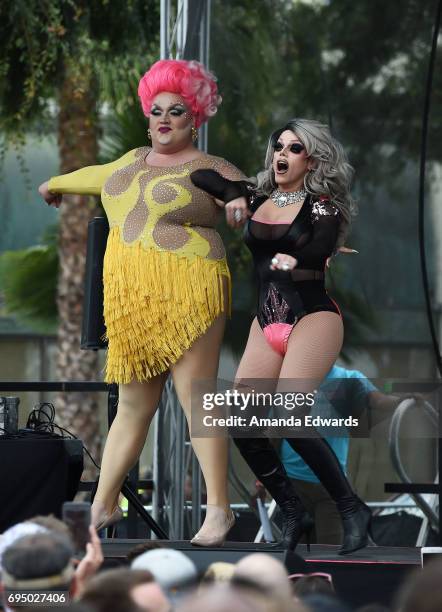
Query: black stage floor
(373,574)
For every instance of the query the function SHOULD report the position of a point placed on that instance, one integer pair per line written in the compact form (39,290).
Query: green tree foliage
(359,66)
(28,279)
(378,82)
(38,37)
(245,56)
(125,128)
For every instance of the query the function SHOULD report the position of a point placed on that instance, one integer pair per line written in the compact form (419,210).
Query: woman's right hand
(52,199)
(237,212)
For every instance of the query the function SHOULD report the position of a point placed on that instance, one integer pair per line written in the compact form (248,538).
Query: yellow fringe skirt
(156,304)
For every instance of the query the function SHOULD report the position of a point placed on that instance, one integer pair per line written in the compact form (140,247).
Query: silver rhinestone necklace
(284,198)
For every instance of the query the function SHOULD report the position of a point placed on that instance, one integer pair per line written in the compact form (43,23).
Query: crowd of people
(37,557)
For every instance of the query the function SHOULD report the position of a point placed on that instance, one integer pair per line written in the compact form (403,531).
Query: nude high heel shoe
(102,519)
(215,528)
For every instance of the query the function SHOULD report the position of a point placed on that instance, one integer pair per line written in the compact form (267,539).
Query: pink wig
(190,80)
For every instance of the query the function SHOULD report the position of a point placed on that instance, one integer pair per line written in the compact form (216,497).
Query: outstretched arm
(85,181)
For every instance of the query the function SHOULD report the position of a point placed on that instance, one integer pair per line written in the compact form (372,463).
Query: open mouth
(282,166)
(164,130)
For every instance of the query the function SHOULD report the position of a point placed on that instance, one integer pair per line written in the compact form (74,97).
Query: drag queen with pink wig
(166,280)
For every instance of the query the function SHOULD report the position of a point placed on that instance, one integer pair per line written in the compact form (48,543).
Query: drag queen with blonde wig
(166,280)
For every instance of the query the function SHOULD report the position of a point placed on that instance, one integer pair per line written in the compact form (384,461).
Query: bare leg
(137,405)
(201,362)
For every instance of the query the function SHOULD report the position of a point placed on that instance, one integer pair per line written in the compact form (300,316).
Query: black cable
(84,447)
(42,421)
(421,222)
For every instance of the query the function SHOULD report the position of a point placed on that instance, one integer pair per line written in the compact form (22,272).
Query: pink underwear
(277,335)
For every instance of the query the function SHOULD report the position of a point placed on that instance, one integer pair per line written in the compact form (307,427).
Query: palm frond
(28,280)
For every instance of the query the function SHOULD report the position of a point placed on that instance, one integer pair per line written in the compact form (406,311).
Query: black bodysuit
(284,297)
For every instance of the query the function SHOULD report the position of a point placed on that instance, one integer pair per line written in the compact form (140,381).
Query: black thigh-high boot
(265,463)
(356,516)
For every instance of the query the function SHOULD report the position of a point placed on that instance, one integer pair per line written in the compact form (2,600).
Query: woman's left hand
(237,212)
(283,262)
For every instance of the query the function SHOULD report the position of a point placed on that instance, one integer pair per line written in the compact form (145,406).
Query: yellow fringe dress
(164,264)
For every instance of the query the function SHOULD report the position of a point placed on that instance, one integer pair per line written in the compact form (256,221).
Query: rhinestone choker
(284,198)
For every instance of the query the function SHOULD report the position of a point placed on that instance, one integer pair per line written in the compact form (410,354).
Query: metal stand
(416,489)
(173,463)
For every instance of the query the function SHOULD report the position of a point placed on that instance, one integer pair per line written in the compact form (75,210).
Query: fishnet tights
(313,347)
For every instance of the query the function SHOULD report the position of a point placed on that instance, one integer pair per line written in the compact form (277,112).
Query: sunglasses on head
(327,577)
(296,147)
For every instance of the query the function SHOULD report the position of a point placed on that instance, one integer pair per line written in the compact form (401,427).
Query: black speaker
(93,328)
(37,474)
(74,452)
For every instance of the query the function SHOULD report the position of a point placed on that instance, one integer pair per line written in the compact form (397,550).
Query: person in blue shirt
(357,396)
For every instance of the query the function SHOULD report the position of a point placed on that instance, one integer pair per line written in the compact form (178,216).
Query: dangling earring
(194,133)
(149,134)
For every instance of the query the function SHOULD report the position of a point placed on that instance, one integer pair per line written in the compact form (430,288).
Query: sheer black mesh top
(311,237)
(284,296)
